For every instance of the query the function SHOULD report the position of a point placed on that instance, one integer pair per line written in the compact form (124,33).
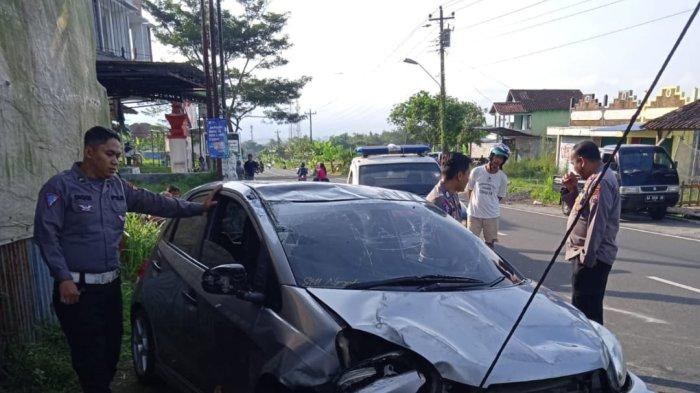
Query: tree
(252,42)
(418,118)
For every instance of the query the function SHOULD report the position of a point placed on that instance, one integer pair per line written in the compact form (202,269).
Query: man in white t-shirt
(487,186)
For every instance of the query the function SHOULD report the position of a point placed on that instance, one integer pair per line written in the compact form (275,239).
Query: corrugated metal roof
(684,118)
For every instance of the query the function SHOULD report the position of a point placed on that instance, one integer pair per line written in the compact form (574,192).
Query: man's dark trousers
(93,328)
(588,288)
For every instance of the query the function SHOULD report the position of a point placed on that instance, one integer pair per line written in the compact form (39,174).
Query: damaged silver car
(317,287)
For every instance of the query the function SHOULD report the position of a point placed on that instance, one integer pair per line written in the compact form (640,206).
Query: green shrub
(531,167)
(140,236)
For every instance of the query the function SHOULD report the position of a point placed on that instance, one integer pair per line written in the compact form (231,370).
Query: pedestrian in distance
(454,176)
(487,187)
(249,168)
(78,225)
(321,173)
(239,170)
(302,172)
(592,245)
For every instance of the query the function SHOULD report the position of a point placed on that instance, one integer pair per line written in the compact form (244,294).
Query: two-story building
(126,69)
(521,121)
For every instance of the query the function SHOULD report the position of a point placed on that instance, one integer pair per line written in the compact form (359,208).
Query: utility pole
(214,76)
(444,40)
(206,43)
(251,132)
(205,56)
(311,125)
(222,61)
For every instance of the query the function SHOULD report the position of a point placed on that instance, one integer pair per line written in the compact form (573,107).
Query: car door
(226,322)
(183,343)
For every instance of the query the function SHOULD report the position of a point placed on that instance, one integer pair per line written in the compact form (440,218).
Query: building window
(527,122)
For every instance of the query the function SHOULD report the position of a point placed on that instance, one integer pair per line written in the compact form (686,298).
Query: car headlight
(673,188)
(617,370)
(630,190)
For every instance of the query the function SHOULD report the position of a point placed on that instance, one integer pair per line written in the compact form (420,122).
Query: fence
(25,292)
(690,194)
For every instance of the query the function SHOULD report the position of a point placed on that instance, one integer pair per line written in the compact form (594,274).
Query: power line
(467,6)
(553,11)
(501,16)
(557,19)
(585,39)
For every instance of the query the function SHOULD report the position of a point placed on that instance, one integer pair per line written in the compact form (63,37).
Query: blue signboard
(217,138)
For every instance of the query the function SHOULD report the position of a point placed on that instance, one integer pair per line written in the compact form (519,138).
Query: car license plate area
(654,198)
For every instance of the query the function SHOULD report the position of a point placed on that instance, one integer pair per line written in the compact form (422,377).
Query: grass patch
(533,177)
(45,366)
(191,181)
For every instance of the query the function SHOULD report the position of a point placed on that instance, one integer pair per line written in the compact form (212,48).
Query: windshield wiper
(414,281)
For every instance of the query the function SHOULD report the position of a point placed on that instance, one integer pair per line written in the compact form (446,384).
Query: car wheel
(565,208)
(143,348)
(657,213)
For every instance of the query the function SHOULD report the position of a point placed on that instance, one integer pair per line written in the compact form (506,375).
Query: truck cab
(647,176)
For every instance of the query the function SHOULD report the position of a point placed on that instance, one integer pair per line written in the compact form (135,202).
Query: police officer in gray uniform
(80,215)
(592,247)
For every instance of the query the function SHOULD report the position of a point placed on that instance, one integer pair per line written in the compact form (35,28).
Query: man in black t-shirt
(249,168)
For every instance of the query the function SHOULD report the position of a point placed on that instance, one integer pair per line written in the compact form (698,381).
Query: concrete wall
(49,96)
(543,119)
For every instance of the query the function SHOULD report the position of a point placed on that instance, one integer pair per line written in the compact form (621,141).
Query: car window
(662,160)
(334,244)
(416,177)
(189,230)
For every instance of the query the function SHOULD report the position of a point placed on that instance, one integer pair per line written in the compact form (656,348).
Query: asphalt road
(652,301)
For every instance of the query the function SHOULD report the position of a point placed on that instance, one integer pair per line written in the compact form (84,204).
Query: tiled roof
(684,118)
(507,108)
(545,99)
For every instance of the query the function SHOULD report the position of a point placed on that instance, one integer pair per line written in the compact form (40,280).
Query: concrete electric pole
(311,125)
(444,40)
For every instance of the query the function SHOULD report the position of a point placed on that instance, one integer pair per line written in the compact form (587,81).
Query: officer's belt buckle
(96,278)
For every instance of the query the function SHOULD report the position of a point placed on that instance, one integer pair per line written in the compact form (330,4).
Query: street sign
(217,138)
(233,143)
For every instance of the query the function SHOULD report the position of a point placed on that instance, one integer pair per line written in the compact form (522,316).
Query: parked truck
(647,176)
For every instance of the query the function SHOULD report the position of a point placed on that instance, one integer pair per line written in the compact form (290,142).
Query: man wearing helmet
(487,186)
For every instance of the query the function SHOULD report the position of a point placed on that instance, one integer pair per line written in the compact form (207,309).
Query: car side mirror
(230,279)
(675,164)
(225,279)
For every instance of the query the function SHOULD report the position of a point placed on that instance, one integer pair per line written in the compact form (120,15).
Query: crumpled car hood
(460,332)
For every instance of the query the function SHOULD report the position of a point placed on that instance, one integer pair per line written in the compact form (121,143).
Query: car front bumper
(635,202)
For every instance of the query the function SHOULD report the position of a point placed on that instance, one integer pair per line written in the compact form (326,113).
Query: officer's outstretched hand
(210,202)
(69,292)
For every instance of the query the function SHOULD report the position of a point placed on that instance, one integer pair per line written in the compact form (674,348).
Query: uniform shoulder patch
(51,198)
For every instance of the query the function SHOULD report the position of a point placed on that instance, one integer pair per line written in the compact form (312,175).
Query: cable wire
(588,196)
(501,16)
(585,39)
(552,11)
(557,19)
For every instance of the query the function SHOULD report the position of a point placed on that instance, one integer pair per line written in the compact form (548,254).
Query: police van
(396,167)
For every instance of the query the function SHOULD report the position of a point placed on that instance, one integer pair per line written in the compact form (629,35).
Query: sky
(354,52)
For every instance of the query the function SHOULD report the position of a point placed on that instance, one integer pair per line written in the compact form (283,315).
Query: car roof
(318,192)
(628,146)
(392,159)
